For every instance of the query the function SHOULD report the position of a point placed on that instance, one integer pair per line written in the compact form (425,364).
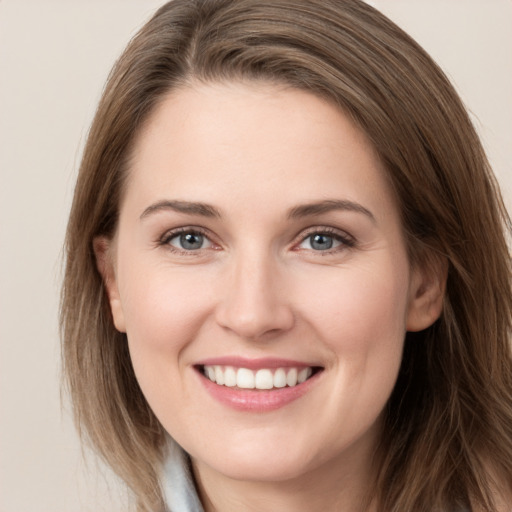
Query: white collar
(178,487)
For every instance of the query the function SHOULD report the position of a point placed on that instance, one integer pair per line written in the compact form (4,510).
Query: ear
(426,293)
(103,251)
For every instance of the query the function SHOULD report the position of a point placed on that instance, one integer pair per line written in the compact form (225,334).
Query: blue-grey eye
(320,242)
(190,241)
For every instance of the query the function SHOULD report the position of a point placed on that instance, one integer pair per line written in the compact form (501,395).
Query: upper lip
(254,364)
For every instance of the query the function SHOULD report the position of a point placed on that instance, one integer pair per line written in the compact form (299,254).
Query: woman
(287,281)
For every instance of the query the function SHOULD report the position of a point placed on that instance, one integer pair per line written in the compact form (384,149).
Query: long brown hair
(449,420)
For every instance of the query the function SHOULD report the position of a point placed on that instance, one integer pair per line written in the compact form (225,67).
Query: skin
(258,288)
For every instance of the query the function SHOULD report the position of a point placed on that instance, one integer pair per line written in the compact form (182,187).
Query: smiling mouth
(261,379)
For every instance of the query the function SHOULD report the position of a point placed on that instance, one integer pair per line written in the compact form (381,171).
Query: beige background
(54,58)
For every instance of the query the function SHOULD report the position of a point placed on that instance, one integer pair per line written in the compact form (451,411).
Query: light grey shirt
(177,482)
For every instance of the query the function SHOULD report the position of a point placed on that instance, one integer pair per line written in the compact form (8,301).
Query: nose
(253,303)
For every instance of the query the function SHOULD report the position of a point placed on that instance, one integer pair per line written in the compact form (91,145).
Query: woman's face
(259,244)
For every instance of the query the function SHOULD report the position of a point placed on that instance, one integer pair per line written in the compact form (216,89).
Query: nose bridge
(253,303)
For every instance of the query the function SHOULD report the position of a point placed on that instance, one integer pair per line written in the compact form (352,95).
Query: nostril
(254,313)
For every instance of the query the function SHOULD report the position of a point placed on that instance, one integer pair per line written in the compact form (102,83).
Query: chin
(263,469)
(261,462)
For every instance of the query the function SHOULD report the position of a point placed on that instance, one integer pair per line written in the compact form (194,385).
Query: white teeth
(280,378)
(230,377)
(261,379)
(219,375)
(291,377)
(304,374)
(244,378)
(264,380)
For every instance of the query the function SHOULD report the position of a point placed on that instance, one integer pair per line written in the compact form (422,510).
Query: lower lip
(255,400)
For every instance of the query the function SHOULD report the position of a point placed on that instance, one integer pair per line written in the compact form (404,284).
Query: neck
(341,484)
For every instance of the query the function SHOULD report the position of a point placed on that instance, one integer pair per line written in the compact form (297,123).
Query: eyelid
(347,240)
(164,239)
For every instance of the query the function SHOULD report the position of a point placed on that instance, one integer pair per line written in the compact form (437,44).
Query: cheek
(357,311)
(164,311)
(361,319)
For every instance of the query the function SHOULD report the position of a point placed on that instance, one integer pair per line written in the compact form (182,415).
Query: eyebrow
(304,210)
(201,209)
(312,209)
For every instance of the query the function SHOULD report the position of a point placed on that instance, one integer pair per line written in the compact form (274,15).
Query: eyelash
(346,241)
(166,238)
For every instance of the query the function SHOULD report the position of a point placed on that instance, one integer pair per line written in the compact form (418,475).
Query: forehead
(255,141)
